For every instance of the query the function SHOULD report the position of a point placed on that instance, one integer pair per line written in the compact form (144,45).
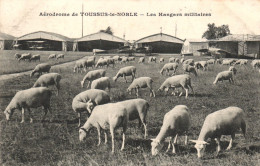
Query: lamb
(17,56)
(59,56)
(189,62)
(190,69)
(175,122)
(101,83)
(47,80)
(169,66)
(141,60)
(201,64)
(211,61)
(223,122)
(141,82)
(152,59)
(29,98)
(226,75)
(95,96)
(92,75)
(102,62)
(40,68)
(173,82)
(108,116)
(126,71)
(25,57)
(52,56)
(80,64)
(161,60)
(136,109)
(35,57)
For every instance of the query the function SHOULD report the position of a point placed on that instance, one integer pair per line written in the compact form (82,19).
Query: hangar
(6,41)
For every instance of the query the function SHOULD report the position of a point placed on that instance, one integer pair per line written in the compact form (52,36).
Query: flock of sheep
(105,115)
(29,57)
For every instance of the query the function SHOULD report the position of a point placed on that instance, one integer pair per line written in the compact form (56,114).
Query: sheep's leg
(169,145)
(137,92)
(124,78)
(30,115)
(175,139)
(105,133)
(218,144)
(99,135)
(151,92)
(79,117)
(88,84)
(113,139)
(191,90)
(173,147)
(124,131)
(186,139)
(58,88)
(22,116)
(231,141)
(187,92)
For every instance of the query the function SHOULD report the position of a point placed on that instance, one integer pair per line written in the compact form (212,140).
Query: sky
(20,17)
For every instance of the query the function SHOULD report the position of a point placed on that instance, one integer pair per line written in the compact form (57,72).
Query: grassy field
(57,142)
(8,64)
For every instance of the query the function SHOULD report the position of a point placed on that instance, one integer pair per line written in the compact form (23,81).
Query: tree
(214,32)
(108,30)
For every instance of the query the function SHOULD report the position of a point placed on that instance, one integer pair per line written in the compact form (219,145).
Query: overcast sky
(19,17)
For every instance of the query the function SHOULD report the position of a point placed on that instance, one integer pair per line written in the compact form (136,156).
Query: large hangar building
(161,43)
(6,41)
(47,41)
(99,40)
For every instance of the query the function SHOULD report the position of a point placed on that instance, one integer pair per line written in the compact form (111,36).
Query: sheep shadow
(139,142)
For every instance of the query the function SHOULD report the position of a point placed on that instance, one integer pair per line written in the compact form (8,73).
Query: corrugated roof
(44,35)
(197,40)
(4,36)
(101,36)
(239,37)
(160,37)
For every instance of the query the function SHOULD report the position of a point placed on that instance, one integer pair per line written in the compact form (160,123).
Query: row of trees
(214,32)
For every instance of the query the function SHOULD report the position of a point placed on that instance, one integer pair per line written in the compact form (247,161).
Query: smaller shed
(192,45)
(6,41)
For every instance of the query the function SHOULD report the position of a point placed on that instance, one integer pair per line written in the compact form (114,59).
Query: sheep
(173,82)
(152,59)
(35,57)
(59,56)
(80,64)
(92,75)
(17,56)
(126,71)
(52,56)
(177,60)
(29,98)
(141,82)
(255,63)
(108,116)
(136,109)
(89,63)
(102,62)
(124,60)
(101,83)
(175,122)
(190,69)
(111,61)
(141,60)
(47,80)
(226,75)
(218,61)
(131,58)
(182,60)
(189,62)
(222,122)
(211,61)
(25,57)
(117,58)
(228,61)
(169,66)
(171,60)
(95,96)
(161,60)
(201,64)
(241,62)
(40,68)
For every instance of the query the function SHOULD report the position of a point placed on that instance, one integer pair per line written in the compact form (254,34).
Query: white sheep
(117,58)
(223,122)
(182,60)
(211,61)
(35,57)
(102,62)
(80,64)
(40,68)
(190,69)
(17,56)
(111,61)
(169,66)
(46,80)
(25,57)
(152,59)
(101,83)
(175,122)
(29,98)
(255,63)
(107,117)
(141,82)
(89,63)
(226,75)
(189,62)
(52,56)
(201,64)
(59,56)
(95,96)
(141,60)
(161,60)
(228,61)
(124,60)
(177,60)
(126,71)
(173,82)
(131,58)
(241,62)
(92,75)
(171,60)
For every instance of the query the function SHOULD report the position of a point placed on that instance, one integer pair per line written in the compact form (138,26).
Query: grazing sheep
(80,64)
(102,62)
(201,64)
(46,80)
(117,58)
(177,60)
(189,62)
(40,68)
(126,71)
(141,82)
(131,58)
(152,59)
(226,75)
(92,75)
(228,61)
(111,61)
(107,117)
(175,122)
(171,60)
(218,61)
(211,61)
(241,62)
(173,82)
(141,60)
(256,63)
(161,60)
(95,96)
(35,57)
(101,83)
(169,66)
(190,69)
(17,56)
(89,63)
(59,56)
(223,122)
(29,98)
(52,56)
(25,57)
(124,60)
(182,60)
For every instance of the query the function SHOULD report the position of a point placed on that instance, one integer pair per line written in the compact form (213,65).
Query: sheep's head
(82,84)
(200,146)
(32,73)
(90,106)
(234,70)
(8,113)
(129,90)
(82,134)
(156,147)
(114,79)
(161,88)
